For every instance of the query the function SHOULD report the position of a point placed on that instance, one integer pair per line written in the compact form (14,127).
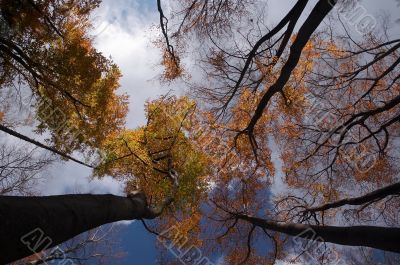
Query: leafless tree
(20,169)
(97,246)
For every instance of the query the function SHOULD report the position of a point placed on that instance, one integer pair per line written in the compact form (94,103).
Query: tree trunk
(32,224)
(384,238)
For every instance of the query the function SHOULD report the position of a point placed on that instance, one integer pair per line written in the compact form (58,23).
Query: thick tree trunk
(384,238)
(29,225)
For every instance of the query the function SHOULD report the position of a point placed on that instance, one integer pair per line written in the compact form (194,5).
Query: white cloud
(127,40)
(125,223)
(278,185)
(70,178)
(122,31)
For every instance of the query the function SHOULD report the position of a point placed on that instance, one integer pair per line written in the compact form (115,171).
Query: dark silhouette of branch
(164,30)
(291,18)
(384,238)
(373,196)
(319,12)
(51,149)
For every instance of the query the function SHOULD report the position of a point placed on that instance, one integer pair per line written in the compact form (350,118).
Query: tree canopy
(286,134)
(46,52)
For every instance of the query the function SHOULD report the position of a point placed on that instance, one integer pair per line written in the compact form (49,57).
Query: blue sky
(139,245)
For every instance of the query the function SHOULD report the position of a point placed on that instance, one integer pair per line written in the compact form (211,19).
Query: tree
(149,158)
(32,224)
(93,246)
(20,170)
(48,63)
(46,47)
(302,102)
(324,101)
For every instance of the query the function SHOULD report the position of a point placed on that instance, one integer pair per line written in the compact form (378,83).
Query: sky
(123,30)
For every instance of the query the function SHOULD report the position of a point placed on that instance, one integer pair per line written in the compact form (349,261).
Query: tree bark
(371,197)
(32,224)
(384,238)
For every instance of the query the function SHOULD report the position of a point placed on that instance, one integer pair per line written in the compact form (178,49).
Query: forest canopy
(281,147)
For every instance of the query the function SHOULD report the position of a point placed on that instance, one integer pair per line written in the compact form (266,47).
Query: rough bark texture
(58,218)
(384,238)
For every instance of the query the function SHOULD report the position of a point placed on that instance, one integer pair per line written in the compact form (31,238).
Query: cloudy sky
(123,30)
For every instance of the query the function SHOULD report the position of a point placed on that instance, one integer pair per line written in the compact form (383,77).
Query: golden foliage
(144,156)
(172,67)
(75,86)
